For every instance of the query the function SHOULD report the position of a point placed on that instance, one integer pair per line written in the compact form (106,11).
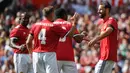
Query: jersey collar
(23,26)
(46,20)
(59,19)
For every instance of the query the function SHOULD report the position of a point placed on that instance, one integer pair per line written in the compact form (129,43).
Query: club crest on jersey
(63,28)
(24,33)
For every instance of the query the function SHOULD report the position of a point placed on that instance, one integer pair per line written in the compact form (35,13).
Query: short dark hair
(60,13)
(47,10)
(106,4)
(25,15)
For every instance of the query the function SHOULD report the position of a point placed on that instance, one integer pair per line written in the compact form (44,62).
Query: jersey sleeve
(76,32)
(32,30)
(112,23)
(59,29)
(15,33)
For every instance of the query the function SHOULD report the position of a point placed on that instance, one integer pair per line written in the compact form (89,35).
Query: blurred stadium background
(85,57)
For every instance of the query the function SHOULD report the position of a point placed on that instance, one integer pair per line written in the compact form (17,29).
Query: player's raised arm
(74,24)
(101,36)
(61,14)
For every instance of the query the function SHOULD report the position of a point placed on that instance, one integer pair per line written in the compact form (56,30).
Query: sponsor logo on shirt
(64,22)
(45,24)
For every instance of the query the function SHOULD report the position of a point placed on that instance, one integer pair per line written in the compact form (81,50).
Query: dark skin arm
(74,24)
(13,44)
(79,37)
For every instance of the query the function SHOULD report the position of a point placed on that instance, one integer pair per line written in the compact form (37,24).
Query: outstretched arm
(104,34)
(74,24)
(78,37)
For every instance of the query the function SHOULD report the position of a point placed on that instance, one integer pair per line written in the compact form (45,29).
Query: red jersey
(21,33)
(46,36)
(109,45)
(64,49)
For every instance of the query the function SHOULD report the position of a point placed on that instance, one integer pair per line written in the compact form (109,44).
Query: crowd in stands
(85,57)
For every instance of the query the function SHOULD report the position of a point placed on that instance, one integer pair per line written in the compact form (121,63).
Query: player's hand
(97,45)
(84,33)
(87,38)
(78,37)
(74,19)
(91,42)
(22,47)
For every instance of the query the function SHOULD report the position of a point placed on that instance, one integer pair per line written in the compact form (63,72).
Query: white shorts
(67,67)
(23,63)
(45,62)
(104,66)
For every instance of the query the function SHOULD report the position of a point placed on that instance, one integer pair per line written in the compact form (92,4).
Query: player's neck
(107,16)
(24,25)
(49,18)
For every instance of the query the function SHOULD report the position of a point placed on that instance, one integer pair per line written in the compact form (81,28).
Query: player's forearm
(78,37)
(71,32)
(13,41)
(29,46)
(98,38)
(74,24)
(108,31)
(29,42)
(13,45)
(102,36)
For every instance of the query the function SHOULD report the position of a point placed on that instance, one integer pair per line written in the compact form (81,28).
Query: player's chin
(100,15)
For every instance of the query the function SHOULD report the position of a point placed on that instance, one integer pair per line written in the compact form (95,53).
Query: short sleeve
(14,33)
(112,22)
(32,29)
(76,32)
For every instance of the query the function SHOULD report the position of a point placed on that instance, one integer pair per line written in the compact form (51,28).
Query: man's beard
(102,15)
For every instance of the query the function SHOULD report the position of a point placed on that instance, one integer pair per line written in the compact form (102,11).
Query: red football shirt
(109,45)
(21,33)
(64,49)
(46,36)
